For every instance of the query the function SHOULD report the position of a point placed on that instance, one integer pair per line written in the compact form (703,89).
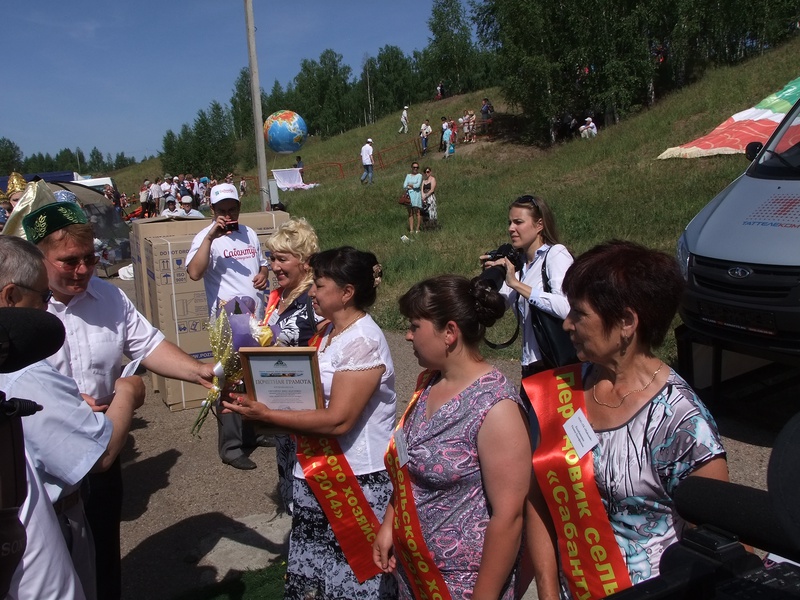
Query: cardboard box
(143,229)
(177,305)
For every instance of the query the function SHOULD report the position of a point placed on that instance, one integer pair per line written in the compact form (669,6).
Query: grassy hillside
(610,187)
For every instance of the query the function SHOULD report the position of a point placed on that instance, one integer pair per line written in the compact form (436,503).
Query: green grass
(610,187)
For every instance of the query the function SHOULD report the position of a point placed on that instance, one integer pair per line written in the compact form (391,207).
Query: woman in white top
(352,432)
(533,233)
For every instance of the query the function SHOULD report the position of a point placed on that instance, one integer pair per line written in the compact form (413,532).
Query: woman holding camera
(533,234)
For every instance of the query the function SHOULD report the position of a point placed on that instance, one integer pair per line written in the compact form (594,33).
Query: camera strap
(513,338)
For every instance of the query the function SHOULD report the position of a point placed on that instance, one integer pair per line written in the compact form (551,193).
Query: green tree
(10,156)
(96,164)
(451,53)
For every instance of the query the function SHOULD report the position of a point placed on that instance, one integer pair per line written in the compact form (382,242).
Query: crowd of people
(475,493)
(155,196)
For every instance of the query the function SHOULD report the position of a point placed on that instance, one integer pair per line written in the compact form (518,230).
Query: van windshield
(781,156)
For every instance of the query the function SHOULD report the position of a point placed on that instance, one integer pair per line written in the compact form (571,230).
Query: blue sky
(118,75)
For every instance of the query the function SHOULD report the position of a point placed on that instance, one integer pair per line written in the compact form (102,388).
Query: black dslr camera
(496,275)
(231,226)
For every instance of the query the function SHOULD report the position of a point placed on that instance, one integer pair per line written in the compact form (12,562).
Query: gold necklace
(649,383)
(345,328)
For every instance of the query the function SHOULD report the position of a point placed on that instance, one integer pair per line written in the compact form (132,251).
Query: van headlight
(682,254)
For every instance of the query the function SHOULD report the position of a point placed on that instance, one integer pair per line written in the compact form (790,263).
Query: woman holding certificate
(291,317)
(460,457)
(340,485)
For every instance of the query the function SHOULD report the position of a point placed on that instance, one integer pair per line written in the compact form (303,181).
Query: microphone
(747,512)
(27,335)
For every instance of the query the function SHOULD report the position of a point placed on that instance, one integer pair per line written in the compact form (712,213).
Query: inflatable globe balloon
(285,132)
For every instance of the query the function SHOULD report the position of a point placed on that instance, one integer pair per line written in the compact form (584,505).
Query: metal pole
(255,97)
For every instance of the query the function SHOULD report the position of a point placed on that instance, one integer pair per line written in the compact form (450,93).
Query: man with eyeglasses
(67,440)
(102,326)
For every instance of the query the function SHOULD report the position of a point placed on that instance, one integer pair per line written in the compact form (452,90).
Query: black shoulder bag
(554,343)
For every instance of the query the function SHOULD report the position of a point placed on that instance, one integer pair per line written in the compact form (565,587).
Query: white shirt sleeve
(358,354)
(554,302)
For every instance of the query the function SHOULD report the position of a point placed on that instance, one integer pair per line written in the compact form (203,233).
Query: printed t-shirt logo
(240,253)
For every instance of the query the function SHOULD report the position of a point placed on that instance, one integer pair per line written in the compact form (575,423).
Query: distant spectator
(413,186)
(440,93)
(449,141)
(445,127)
(172,209)
(242,187)
(589,129)
(299,165)
(430,213)
(367,161)
(114,196)
(153,199)
(187,211)
(425,131)
(472,124)
(403,121)
(487,110)
(464,122)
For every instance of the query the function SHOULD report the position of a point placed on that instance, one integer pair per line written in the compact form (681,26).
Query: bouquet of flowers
(234,326)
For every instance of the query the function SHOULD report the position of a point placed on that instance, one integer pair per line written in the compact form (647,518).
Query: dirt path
(189,520)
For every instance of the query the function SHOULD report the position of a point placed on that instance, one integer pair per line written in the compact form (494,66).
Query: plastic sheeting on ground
(755,124)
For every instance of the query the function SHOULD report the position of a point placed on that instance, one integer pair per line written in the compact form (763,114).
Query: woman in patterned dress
(651,430)
(291,318)
(357,376)
(468,448)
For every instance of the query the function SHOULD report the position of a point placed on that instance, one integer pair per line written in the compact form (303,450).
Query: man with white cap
(367,161)
(404,121)
(186,209)
(228,257)
(589,129)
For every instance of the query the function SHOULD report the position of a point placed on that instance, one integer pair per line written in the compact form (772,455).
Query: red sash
(591,559)
(272,303)
(426,581)
(336,488)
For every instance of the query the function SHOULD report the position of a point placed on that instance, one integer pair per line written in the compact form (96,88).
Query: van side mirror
(752,149)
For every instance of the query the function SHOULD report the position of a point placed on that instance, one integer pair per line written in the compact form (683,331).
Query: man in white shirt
(404,121)
(589,129)
(172,209)
(187,211)
(102,326)
(367,161)
(424,131)
(70,437)
(156,199)
(227,256)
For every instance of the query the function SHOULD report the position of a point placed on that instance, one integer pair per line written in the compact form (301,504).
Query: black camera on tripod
(496,275)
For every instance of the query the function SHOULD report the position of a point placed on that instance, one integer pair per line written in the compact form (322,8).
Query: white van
(741,253)
(97,183)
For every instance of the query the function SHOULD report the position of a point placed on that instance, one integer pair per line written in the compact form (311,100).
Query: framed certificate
(283,378)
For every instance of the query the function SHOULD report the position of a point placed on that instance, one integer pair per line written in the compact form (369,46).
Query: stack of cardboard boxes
(174,303)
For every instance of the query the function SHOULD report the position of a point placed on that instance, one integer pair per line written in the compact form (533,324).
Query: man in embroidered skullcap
(102,326)
(65,442)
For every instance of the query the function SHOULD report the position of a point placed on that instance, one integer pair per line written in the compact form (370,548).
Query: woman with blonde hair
(291,318)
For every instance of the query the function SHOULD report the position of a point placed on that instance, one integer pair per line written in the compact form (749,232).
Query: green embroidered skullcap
(51,217)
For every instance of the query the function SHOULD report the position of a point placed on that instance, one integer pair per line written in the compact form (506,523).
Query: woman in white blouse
(340,478)
(532,229)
